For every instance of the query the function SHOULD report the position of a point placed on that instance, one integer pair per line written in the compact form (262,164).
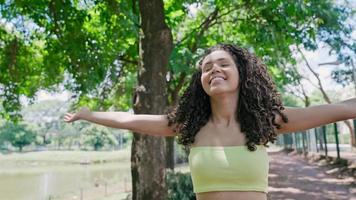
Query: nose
(216,68)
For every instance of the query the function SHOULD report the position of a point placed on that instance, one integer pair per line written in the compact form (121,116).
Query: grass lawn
(68,156)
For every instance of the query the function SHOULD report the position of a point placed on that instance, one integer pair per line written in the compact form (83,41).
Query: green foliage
(92,46)
(343,138)
(330,134)
(291,101)
(180,186)
(268,28)
(181,153)
(20,66)
(317,98)
(97,137)
(343,76)
(19,135)
(48,41)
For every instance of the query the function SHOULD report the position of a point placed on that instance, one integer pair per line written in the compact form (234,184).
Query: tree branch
(316,75)
(321,88)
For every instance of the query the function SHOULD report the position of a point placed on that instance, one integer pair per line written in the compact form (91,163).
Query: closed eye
(224,65)
(207,68)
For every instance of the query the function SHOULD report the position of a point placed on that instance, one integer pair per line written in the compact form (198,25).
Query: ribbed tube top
(229,168)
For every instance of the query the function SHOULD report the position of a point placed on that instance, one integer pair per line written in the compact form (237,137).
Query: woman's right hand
(81,114)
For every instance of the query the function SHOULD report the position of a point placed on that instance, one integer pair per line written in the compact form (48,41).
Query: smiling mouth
(216,78)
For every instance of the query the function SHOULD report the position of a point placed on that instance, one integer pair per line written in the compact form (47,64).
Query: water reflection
(40,183)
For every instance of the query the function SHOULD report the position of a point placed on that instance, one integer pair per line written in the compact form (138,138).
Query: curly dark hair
(258,103)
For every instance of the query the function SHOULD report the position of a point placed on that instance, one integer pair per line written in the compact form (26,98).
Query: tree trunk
(148,152)
(170,153)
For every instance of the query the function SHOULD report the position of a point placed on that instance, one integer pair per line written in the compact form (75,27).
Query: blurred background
(59,55)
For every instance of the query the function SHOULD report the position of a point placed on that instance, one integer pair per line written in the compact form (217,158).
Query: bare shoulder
(201,138)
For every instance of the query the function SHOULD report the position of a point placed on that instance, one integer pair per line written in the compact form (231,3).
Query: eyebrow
(219,59)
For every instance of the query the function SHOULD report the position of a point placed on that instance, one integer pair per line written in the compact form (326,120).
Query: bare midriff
(231,195)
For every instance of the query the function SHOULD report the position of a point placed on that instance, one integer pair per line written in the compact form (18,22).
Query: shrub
(180,186)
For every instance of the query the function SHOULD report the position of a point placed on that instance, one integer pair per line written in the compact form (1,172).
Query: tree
(50,40)
(268,28)
(19,135)
(148,152)
(326,96)
(97,137)
(344,76)
(93,48)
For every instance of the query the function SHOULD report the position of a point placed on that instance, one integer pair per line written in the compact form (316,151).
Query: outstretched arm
(306,118)
(156,125)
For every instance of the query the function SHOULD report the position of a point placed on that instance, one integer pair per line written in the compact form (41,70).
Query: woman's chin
(220,91)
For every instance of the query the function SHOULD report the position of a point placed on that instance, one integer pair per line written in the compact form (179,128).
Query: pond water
(40,182)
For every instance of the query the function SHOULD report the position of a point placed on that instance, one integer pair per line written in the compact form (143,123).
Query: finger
(68,118)
(69,114)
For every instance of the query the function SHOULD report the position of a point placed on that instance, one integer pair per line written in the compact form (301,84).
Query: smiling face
(219,73)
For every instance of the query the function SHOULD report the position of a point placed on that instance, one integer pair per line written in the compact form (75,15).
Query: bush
(180,186)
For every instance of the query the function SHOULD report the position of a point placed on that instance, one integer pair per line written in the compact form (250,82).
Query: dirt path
(292,178)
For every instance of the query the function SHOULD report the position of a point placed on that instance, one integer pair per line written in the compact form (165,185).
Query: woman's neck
(223,108)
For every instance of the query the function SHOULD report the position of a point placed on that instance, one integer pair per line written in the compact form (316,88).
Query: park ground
(296,177)
(291,177)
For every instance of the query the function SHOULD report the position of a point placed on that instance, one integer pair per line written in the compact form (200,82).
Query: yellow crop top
(229,168)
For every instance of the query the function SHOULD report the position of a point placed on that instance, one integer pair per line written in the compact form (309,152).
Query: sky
(315,58)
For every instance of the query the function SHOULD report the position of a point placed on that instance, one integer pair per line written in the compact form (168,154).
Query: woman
(227,115)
